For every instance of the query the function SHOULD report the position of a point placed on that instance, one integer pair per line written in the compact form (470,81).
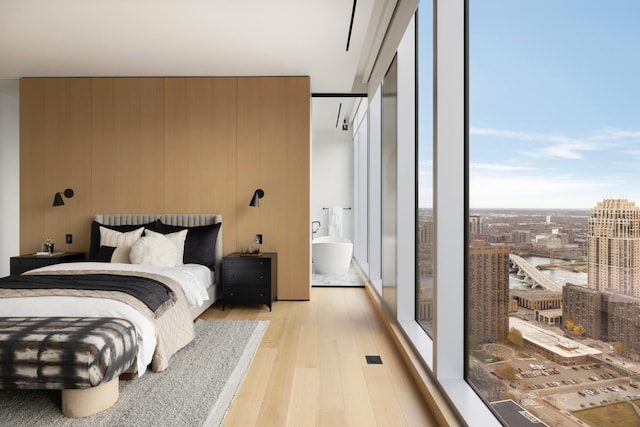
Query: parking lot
(570,388)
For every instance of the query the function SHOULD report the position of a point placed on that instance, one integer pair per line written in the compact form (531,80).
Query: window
(552,206)
(425,309)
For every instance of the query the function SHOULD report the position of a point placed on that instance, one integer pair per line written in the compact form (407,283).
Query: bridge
(532,275)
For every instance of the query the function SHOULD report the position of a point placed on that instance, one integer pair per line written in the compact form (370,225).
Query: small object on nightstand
(47,246)
(249,278)
(22,263)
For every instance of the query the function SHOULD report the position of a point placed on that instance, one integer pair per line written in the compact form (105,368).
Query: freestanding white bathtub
(331,255)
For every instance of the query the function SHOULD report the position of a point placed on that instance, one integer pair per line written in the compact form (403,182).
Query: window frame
(444,354)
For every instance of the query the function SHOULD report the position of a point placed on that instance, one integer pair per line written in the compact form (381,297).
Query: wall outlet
(68,238)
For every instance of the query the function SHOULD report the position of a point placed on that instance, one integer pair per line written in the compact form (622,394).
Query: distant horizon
(523,209)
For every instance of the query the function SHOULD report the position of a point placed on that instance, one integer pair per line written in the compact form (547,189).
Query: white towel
(335,221)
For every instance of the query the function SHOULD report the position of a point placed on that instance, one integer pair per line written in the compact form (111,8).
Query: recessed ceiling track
(338,118)
(353,14)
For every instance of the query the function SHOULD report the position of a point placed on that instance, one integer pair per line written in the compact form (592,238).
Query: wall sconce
(255,200)
(57,199)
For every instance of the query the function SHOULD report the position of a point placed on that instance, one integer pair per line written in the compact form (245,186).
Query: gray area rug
(195,390)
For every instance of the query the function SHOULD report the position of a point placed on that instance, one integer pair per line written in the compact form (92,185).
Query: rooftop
(551,341)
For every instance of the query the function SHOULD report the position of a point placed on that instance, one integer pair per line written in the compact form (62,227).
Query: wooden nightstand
(22,263)
(249,279)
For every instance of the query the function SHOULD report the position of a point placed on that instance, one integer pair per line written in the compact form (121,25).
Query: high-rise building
(475,227)
(425,232)
(613,242)
(623,320)
(583,306)
(520,236)
(609,307)
(604,315)
(488,285)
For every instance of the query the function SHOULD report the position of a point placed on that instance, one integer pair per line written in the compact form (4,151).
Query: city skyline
(553,110)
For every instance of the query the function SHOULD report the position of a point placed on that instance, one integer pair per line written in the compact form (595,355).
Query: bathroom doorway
(335,122)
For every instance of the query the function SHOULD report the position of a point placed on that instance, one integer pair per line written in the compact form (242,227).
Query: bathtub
(331,255)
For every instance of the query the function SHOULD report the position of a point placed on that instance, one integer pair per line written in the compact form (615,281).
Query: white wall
(332,178)
(9,172)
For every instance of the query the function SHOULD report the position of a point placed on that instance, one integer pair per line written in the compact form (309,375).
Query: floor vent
(374,360)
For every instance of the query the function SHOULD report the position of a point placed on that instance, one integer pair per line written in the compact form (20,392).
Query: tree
(474,342)
(579,330)
(570,325)
(618,348)
(507,372)
(515,337)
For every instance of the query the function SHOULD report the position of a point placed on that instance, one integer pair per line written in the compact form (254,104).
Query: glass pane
(390,186)
(553,260)
(425,232)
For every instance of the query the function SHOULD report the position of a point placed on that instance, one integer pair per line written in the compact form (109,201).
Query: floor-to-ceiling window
(425,225)
(553,209)
(390,185)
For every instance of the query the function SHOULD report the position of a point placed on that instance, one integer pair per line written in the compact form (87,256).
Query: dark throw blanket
(154,294)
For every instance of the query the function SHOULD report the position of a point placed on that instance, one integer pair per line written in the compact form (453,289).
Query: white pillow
(178,238)
(121,241)
(158,251)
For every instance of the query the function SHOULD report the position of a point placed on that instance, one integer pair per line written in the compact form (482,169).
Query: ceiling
(88,38)
(329,114)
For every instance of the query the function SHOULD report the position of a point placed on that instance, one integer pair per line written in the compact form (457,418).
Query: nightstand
(249,279)
(22,263)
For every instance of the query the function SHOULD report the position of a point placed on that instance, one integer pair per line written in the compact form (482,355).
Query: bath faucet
(315,230)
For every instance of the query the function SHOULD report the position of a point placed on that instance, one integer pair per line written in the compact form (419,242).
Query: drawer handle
(261,294)
(261,276)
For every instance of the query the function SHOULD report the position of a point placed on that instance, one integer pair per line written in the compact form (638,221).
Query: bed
(180,254)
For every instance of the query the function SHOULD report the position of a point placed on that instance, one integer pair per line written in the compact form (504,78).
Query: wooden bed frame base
(78,403)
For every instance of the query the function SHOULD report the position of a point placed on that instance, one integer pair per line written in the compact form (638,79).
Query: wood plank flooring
(310,368)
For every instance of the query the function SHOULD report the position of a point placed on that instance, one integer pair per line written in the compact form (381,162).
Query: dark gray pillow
(200,243)
(105,253)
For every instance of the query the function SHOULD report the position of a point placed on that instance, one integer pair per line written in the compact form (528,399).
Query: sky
(554,103)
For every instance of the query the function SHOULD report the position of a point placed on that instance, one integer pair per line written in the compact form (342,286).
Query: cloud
(493,187)
(564,146)
(497,167)
(534,191)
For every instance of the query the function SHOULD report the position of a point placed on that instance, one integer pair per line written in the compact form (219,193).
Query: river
(558,276)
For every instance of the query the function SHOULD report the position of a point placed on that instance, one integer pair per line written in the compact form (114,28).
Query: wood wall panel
(55,154)
(278,153)
(128,145)
(298,148)
(32,163)
(171,145)
(251,169)
(200,149)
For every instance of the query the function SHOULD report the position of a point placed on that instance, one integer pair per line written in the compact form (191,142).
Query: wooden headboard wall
(170,145)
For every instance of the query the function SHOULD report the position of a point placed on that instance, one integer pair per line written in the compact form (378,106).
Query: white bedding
(192,278)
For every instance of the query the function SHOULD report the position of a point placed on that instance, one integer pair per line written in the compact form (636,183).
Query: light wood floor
(310,369)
